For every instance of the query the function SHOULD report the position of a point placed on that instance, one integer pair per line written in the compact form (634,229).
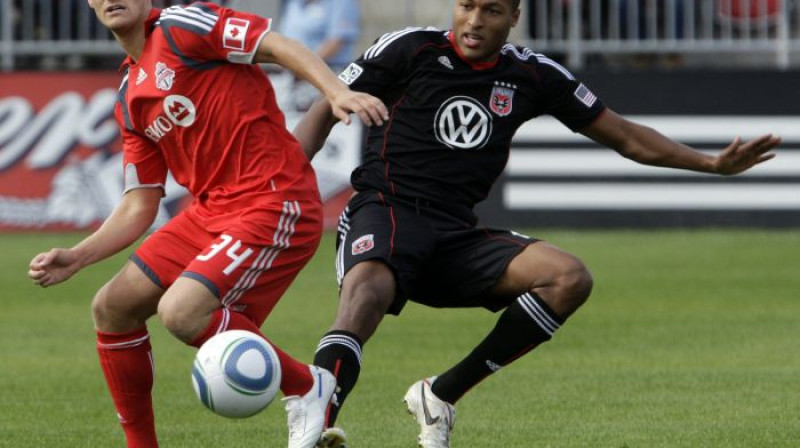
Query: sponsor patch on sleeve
(351,73)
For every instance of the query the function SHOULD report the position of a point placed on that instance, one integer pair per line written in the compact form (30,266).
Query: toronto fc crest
(501,100)
(165,76)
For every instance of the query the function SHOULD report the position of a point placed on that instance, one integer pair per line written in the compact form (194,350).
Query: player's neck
(132,38)
(132,42)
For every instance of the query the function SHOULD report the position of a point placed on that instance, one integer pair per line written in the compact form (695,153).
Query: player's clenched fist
(52,267)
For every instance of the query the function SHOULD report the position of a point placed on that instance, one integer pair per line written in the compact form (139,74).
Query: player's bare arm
(314,127)
(129,221)
(307,65)
(647,146)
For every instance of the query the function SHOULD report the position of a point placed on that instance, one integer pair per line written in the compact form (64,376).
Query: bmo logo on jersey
(463,123)
(178,111)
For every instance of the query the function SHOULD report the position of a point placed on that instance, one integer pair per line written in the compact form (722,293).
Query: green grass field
(691,339)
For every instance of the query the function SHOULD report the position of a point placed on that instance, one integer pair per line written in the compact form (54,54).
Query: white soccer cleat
(436,418)
(333,438)
(307,413)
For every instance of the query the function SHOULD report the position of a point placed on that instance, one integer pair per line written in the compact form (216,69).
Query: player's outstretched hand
(369,109)
(52,267)
(740,156)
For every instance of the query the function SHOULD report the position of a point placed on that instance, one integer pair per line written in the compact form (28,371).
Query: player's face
(481,27)
(120,16)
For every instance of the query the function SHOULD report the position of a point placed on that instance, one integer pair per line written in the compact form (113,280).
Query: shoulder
(407,40)
(542,64)
(199,17)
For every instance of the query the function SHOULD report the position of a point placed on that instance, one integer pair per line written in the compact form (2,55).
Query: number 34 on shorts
(233,250)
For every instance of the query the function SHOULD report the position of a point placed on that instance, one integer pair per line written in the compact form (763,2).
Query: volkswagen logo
(463,123)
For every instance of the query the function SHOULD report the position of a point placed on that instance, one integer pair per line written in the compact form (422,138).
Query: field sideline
(690,339)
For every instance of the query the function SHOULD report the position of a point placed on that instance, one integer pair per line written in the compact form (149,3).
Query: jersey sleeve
(384,64)
(566,98)
(143,164)
(205,32)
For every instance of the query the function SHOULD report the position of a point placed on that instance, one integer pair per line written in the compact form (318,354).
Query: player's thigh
(164,255)
(468,262)
(540,266)
(186,308)
(130,296)
(385,234)
(245,276)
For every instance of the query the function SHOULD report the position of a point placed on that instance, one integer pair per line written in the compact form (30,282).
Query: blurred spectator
(329,27)
(647,19)
(741,10)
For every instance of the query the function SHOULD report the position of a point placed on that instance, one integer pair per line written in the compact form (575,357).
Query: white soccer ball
(236,374)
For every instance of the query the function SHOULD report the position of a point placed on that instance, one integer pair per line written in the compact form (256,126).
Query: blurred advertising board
(60,154)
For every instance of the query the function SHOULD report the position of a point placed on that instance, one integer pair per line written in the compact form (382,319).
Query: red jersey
(195,104)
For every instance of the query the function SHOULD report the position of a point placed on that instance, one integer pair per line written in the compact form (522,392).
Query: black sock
(340,352)
(525,324)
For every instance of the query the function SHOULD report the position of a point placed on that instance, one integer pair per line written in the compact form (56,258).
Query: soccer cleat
(436,418)
(333,438)
(307,413)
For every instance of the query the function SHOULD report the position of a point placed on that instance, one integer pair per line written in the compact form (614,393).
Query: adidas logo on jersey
(493,366)
(444,60)
(141,77)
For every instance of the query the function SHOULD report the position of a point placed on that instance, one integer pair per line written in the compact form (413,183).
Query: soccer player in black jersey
(456,99)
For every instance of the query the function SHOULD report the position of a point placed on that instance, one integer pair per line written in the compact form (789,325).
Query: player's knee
(180,321)
(103,310)
(576,285)
(362,308)
(110,312)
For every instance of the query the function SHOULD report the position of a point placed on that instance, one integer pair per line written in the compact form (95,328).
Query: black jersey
(451,122)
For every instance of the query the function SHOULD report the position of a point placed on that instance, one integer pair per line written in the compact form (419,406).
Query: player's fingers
(757,143)
(764,158)
(360,107)
(365,117)
(736,144)
(371,110)
(377,110)
(42,280)
(39,261)
(341,114)
(767,144)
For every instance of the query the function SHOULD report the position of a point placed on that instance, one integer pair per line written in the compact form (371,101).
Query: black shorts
(438,259)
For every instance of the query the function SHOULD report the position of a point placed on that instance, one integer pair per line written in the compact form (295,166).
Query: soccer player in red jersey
(193,102)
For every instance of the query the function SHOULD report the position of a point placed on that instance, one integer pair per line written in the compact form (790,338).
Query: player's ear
(91,3)
(515,17)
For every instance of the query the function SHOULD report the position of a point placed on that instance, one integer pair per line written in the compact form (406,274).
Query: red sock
(127,364)
(296,378)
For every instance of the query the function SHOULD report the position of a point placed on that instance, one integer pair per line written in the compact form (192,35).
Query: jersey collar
(475,65)
(149,26)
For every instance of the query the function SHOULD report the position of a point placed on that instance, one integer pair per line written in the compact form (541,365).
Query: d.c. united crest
(501,100)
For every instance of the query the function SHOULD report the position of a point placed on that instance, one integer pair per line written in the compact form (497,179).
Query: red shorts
(247,277)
